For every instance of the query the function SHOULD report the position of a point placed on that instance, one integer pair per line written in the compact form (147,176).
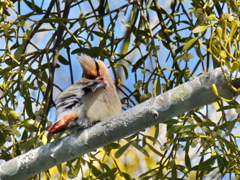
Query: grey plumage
(91,99)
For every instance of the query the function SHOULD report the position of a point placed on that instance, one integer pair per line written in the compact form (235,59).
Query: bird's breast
(102,105)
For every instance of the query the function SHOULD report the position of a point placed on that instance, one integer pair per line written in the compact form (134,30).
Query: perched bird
(90,100)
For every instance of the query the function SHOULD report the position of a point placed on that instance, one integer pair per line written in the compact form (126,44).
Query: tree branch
(186,97)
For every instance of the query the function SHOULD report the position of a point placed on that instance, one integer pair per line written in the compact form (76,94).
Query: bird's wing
(70,104)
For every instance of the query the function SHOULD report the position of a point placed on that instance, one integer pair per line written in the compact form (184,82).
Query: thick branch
(186,97)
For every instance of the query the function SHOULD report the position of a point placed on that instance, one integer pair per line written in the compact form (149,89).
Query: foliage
(150,48)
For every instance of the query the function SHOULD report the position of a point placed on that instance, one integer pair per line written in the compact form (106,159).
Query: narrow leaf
(199,29)
(190,44)
(121,150)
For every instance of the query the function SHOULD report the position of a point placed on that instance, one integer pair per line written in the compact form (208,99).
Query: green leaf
(208,124)
(226,108)
(14,114)
(77,50)
(222,163)
(186,128)
(53,20)
(131,137)
(187,158)
(2,138)
(219,32)
(229,125)
(93,51)
(5,70)
(171,122)
(174,171)
(19,51)
(96,172)
(28,106)
(59,168)
(33,6)
(30,126)
(139,63)
(121,150)
(190,44)
(27,145)
(229,144)
(76,169)
(235,66)
(156,87)
(112,146)
(101,34)
(63,60)
(140,148)
(109,173)
(155,150)
(3,117)
(156,133)
(212,17)
(127,176)
(23,23)
(215,50)
(233,28)
(127,24)
(124,68)
(199,29)
(47,29)
(234,6)
(173,130)
(206,164)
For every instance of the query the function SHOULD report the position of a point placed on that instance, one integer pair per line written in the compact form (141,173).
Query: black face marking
(97,68)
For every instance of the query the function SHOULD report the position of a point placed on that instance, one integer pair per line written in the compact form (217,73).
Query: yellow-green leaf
(14,114)
(199,29)
(219,32)
(214,89)
(233,28)
(156,87)
(190,44)
(234,67)
(212,17)
(24,23)
(44,139)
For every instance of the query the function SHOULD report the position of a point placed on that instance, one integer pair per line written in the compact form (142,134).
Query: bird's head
(96,70)
(103,71)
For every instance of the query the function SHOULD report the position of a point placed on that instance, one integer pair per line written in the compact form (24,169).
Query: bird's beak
(100,79)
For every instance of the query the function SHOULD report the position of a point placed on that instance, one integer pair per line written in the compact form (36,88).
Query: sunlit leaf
(24,23)
(190,44)
(30,127)
(199,29)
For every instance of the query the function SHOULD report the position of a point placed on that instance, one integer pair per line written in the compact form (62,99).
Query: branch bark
(186,97)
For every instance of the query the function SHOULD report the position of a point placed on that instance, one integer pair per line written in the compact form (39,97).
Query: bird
(91,99)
